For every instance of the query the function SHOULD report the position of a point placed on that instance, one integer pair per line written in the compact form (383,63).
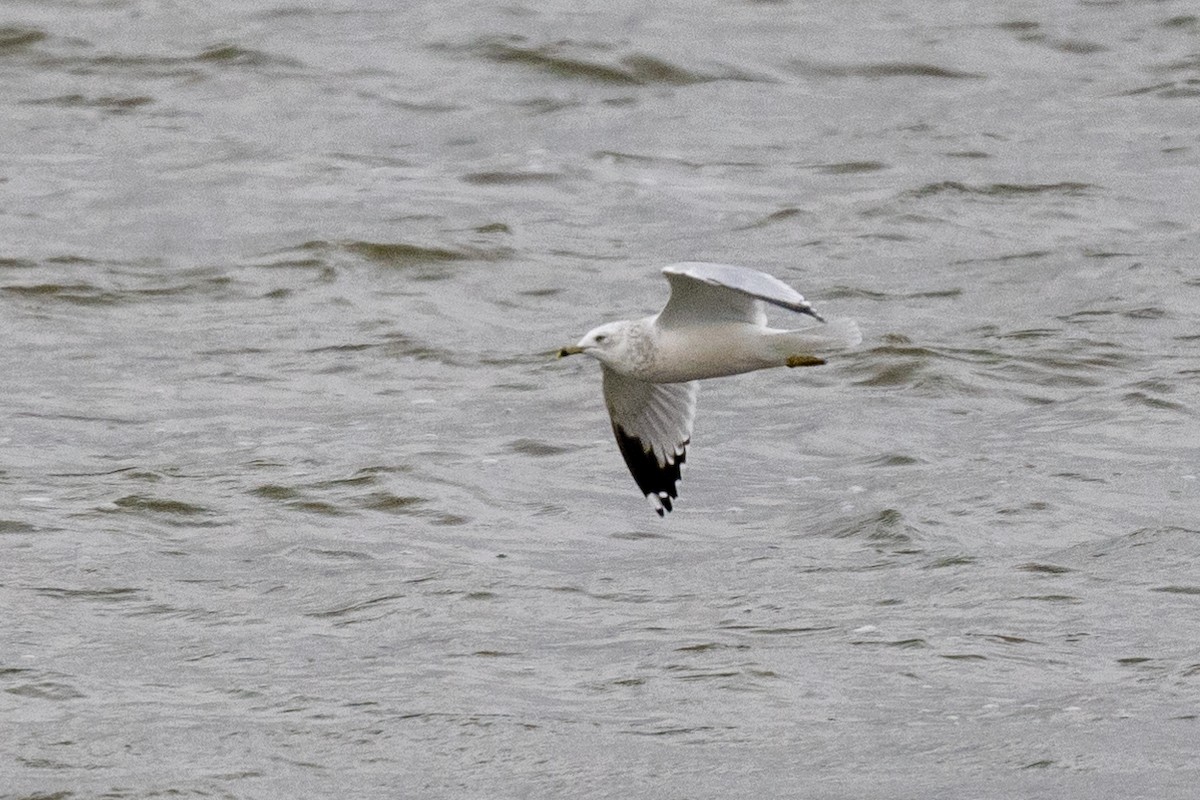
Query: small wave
(1146,400)
(1192,590)
(594,63)
(1189,22)
(857,292)
(915,643)
(641,159)
(352,609)
(1044,569)
(47,690)
(15,37)
(90,294)
(899,69)
(359,478)
(403,345)
(1019,26)
(886,526)
(533,447)
(111,104)
(1079,47)
(81,293)
(1004,638)
(509,178)
(1069,188)
(158,505)
(191,65)
(347,499)
(889,460)
(108,595)
(404,254)
(1031,32)
(925,371)
(272,491)
(1069,599)
(1186,88)
(1169,90)
(389,503)
(244,56)
(850,167)
(550,58)
(1025,255)
(776,217)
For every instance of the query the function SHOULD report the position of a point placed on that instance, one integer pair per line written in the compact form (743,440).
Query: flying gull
(713,325)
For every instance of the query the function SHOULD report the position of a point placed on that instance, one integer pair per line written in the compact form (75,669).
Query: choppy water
(294,501)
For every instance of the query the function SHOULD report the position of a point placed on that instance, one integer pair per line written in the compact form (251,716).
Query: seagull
(713,325)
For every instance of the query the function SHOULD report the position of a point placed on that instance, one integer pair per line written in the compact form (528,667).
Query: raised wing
(702,294)
(653,425)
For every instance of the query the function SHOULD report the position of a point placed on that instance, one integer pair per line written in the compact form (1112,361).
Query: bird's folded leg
(804,360)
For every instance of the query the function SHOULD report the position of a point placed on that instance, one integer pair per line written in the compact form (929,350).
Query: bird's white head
(611,344)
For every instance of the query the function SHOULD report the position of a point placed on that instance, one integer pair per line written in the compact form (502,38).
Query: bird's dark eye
(601,338)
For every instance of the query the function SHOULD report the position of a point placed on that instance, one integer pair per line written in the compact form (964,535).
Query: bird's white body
(714,325)
(726,348)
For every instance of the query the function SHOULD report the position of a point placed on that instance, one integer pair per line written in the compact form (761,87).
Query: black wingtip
(659,482)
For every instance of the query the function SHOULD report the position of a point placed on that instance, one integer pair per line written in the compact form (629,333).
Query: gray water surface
(295,501)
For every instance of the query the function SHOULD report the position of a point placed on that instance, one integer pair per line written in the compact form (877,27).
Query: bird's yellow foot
(804,360)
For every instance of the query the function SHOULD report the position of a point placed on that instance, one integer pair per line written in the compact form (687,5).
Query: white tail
(840,333)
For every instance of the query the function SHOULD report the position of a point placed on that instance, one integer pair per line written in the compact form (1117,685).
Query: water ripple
(898,69)
(1003,190)
(16,37)
(596,63)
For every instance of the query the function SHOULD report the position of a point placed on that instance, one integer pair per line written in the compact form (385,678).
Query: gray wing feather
(706,293)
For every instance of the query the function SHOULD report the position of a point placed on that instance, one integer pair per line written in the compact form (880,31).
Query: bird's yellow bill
(570,350)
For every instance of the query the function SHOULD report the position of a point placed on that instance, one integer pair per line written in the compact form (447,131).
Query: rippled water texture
(295,502)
